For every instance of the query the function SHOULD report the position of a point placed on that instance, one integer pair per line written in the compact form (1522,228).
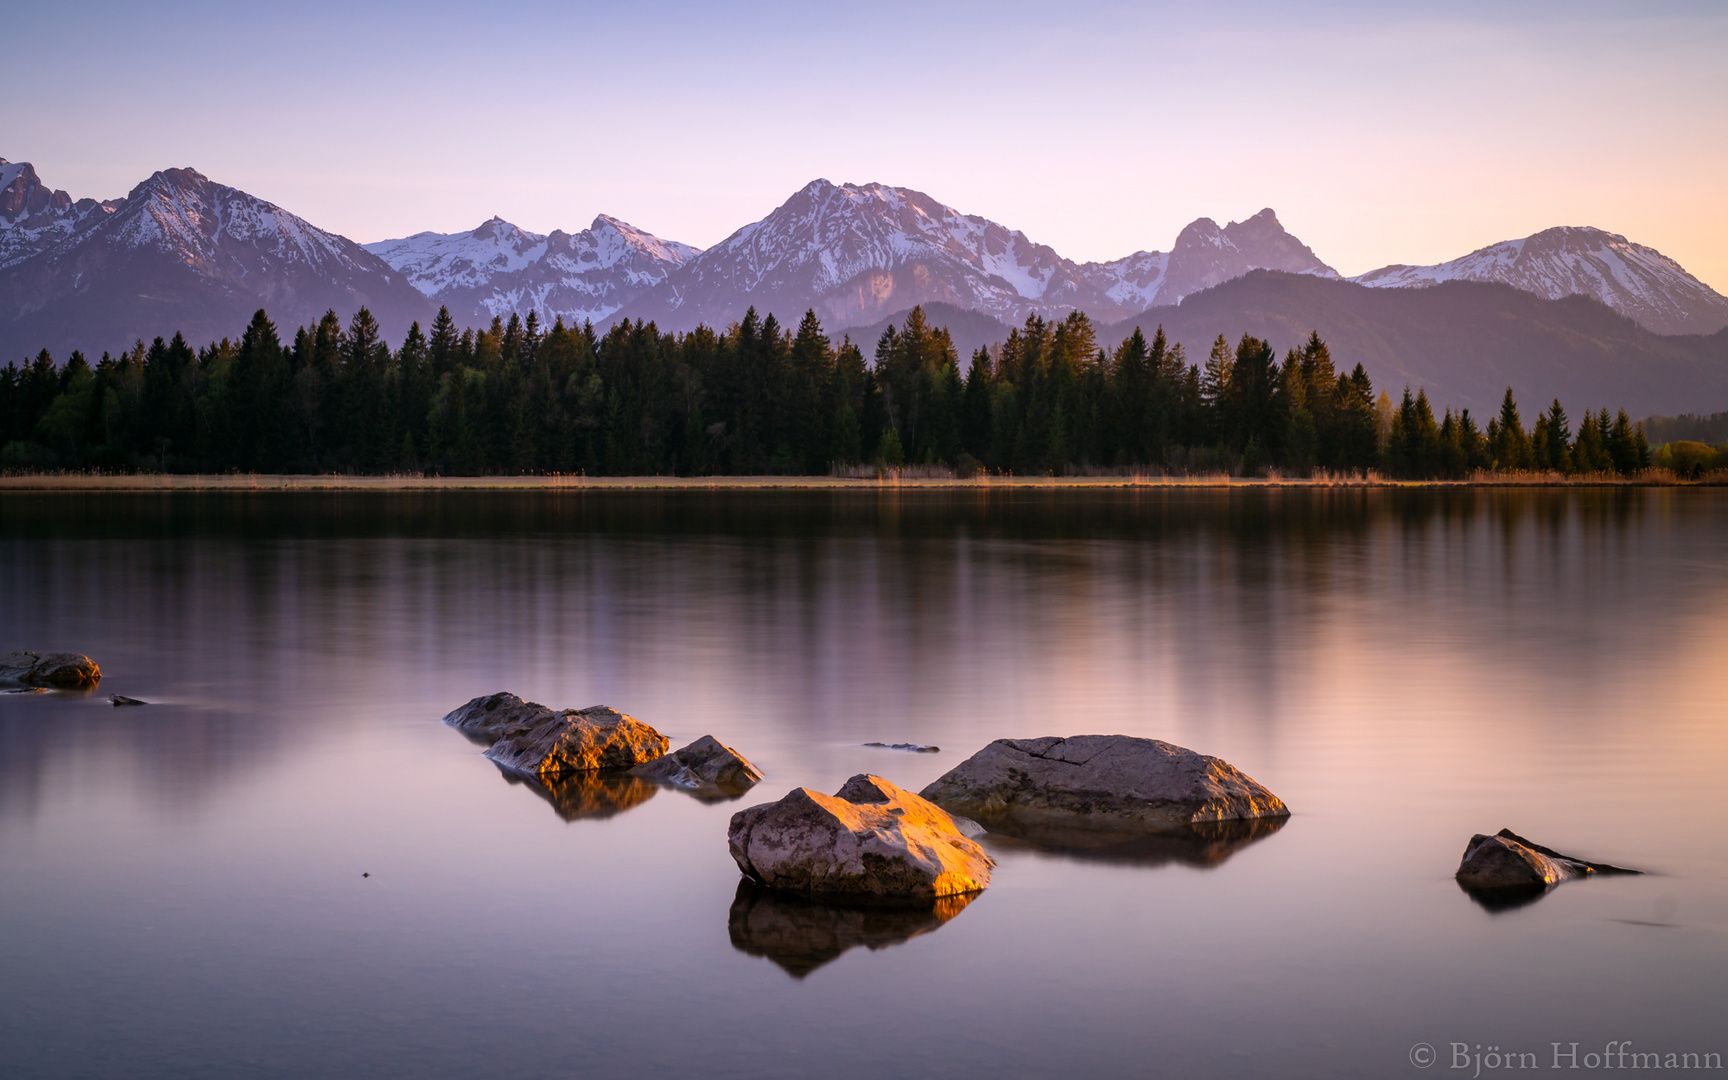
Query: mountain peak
(173,179)
(499,269)
(23,193)
(1637,281)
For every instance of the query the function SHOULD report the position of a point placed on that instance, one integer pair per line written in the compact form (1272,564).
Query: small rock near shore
(122,699)
(1114,781)
(577,740)
(64,670)
(869,842)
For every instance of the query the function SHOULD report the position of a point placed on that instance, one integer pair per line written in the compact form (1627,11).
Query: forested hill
(1465,342)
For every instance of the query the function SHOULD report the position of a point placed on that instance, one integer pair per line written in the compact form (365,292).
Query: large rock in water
(65,670)
(868,842)
(577,740)
(1113,781)
(707,768)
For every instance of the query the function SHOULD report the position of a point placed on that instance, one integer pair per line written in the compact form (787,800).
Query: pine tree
(1509,445)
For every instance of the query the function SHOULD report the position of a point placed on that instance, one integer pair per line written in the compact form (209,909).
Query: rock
(577,740)
(1508,861)
(707,768)
(1112,781)
(578,796)
(490,717)
(801,935)
(64,670)
(1494,862)
(16,667)
(868,842)
(122,699)
(911,747)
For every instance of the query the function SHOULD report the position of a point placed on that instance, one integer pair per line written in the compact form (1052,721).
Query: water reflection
(800,935)
(1498,901)
(1204,844)
(1215,608)
(587,796)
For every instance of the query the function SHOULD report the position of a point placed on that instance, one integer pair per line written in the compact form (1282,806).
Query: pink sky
(1379,132)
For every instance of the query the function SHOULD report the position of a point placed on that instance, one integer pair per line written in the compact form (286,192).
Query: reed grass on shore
(855,479)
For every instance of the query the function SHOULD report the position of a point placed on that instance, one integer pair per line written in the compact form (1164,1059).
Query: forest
(755,398)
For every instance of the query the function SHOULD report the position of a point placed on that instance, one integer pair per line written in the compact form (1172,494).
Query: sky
(1380,132)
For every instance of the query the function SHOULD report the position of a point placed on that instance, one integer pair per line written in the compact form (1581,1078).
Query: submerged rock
(1509,861)
(490,717)
(868,842)
(1113,781)
(801,935)
(707,768)
(64,670)
(122,699)
(577,740)
(910,747)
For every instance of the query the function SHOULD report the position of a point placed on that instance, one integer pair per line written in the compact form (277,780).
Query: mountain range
(181,251)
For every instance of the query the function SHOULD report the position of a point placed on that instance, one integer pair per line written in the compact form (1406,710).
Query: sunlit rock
(869,842)
(707,768)
(578,740)
(64,670)
(1509,861)
(1112,781)
(801,935)
(489,718)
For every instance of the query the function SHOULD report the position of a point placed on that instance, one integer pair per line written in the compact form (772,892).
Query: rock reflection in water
(1496,901)
(801,935)
(1204,844)
(587,795)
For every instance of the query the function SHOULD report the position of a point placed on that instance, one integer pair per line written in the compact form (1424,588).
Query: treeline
(755,398)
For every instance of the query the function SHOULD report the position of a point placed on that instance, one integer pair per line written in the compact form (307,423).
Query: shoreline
(146,482)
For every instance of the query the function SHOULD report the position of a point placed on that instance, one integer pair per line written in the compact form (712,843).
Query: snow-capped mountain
(179,252)
(857,252)
(34,217)
(1637,281)
(498,269)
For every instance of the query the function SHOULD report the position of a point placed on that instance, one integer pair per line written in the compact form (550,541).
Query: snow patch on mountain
(1637,281)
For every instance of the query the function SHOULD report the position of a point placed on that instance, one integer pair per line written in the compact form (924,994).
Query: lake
(286,866)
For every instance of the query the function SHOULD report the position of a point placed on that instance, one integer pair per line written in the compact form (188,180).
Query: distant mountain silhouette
(1464,341)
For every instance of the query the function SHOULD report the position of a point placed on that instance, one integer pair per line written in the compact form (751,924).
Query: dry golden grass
(857,479)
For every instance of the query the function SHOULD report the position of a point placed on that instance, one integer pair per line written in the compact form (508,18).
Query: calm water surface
(181,890)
